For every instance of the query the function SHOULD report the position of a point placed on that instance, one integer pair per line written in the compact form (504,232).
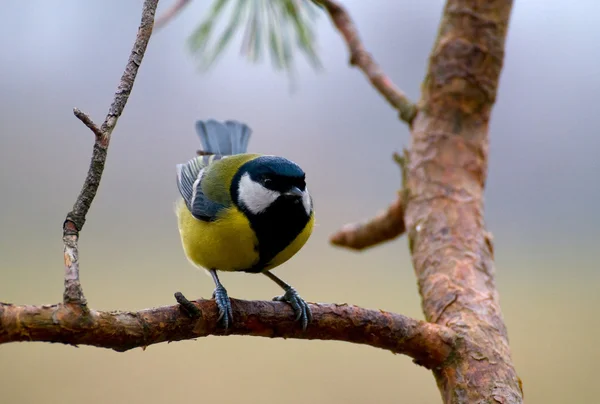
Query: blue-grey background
(541,199)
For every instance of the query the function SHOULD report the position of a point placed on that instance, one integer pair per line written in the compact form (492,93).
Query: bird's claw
(224,305)
(300,307)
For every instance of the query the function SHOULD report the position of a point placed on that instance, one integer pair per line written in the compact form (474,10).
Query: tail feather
(224,138)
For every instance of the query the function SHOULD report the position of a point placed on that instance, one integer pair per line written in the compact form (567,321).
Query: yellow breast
(226,244)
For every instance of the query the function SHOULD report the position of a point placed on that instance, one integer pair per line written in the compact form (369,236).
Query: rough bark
(429,344)
(445,175)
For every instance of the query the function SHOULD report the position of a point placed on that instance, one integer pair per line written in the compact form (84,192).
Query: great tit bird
(242,212)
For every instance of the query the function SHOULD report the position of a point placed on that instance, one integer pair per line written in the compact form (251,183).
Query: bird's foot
(224,305)
(300,307)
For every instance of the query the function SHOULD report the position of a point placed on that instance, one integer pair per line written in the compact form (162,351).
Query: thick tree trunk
(445,174)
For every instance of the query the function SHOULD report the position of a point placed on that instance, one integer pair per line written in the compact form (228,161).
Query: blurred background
(541,199)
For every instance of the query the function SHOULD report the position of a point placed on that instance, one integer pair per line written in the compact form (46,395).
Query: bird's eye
(267,180)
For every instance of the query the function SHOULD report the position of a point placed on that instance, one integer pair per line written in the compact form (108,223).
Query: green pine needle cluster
(281,26)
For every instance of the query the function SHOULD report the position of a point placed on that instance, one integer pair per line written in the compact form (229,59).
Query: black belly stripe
(277,228)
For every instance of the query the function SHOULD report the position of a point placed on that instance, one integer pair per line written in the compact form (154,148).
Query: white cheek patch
(307,202)
(254,196)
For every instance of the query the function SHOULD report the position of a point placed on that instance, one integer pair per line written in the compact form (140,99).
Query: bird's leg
(291,296)
(222,300)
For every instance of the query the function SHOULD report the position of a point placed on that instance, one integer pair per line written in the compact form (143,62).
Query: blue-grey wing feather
(189,182)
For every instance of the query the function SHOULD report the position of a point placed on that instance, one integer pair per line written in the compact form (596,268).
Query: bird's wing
(189,182)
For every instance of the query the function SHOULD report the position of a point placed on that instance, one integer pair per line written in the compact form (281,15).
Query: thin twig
(76,218)
(386,226)
(188,306)
(170,13)
(429,344)
(360,57)
(87,121)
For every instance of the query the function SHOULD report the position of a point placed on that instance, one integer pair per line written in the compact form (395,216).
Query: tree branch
(360,58)
(170,13)
(429,344)
(75,219)
(386,226)
(445,176)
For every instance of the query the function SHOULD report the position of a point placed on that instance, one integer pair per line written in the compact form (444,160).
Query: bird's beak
(294,191)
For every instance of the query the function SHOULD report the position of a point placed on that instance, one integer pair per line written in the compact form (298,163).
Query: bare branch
(387,225)
(87,121)
(170,13)
(75,219)
(360,58)
(429,344)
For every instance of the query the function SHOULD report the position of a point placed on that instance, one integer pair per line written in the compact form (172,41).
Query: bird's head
(269,182)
